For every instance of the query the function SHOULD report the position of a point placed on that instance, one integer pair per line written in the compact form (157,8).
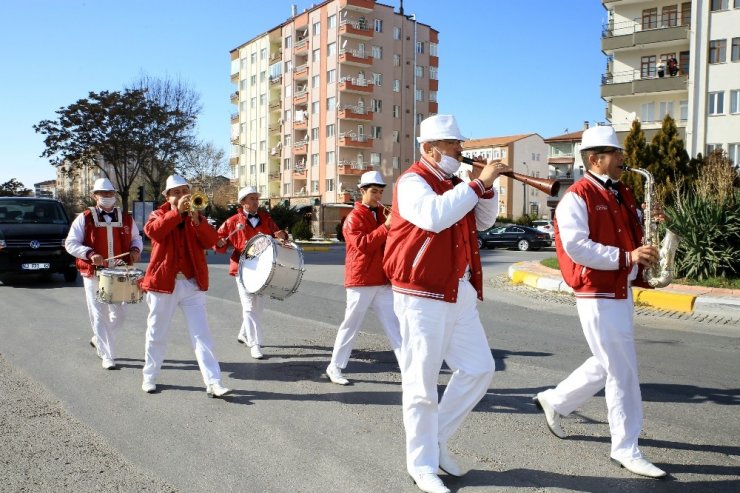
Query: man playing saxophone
(598,239)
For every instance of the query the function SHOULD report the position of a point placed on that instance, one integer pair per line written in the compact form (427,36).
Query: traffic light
(141,193)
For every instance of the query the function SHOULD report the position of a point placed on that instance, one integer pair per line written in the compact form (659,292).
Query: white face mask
(106,202)
(449,164)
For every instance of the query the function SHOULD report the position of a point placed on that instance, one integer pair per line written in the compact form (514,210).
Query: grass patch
(551,262)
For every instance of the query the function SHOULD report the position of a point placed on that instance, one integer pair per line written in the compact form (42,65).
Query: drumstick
(239,227)
(117,256)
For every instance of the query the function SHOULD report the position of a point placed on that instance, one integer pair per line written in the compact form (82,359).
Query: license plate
(35,266)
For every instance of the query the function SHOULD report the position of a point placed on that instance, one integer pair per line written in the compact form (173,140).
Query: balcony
(561,159)
(356,58)
(356,85)
(630,83)
(354,113)
(300,124)
(637,33)
(235,118)
(355,141)
(275,106)
(301,46)
(274,57)
(356,29)
(363,6)
(235,78)
(300,147)
(235,97)
(276,80)
(344,198)
(301,98)
(301,72)
(351,168)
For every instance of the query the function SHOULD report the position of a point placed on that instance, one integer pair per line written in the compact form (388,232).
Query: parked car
(545,225)
(32,234)
(514,236)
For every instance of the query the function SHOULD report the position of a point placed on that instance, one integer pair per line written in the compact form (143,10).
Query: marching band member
(433,263)
(365,231)
(598,239)
(177,275)
(97,234)
(237,231)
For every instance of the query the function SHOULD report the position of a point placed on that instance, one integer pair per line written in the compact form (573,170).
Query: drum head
(257,263)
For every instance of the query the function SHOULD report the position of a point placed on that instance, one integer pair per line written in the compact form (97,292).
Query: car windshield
(23,211)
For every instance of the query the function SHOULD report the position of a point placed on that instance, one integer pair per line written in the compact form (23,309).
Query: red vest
(365,237)
(609,223)
(96,237)
(240,239)
(163,263)
(425,264)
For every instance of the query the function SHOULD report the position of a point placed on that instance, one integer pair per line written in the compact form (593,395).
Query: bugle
(550,187)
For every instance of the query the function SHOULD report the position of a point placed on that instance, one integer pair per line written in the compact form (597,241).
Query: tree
(172,126)
(204,166)
(670,161)
(13,188)
(636,155)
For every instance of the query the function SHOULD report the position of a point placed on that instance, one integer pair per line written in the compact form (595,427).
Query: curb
(540,277)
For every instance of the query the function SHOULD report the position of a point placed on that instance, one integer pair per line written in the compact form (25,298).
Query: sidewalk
(674,297)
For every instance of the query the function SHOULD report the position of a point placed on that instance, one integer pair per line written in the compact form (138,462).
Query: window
(433,73)
(719,5)
(375,158)
(315,81)
(396,111)
(314,133)
(433,96)
(252,169)
(665,108)
(649,19)
(331,49)
(329,157)
(288,115)
(315,55)
(315,108)
(314,159)
(376,105)
(263,99)
(253,58)
(253,103)
(396,33)
(263,54)
(419,71)
(420,47)
(316,28)
(733,153)
(286,188)
(253,80)
(262,167)
(314,186)
(330,185)
(717,50)
(288,42)
(735,101)
(378,26)
(377,52)
(263,76)
(716,103)
(396,60)
(419,118)
(331,21)
(396,85)
(376,132)
(433,49)
(331,103)
(713,147)
(735,53)
(396,136)
(395,162)
(420,95)
(647,67)
(647,112)
(330,130)
(378,79)
(669,16)
(287,140)
(684,109)
(286,163)
(331,76)
(686,13)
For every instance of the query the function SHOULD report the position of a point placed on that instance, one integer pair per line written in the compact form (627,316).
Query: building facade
(527,155)
(677,58)
(565,163)
(329,94)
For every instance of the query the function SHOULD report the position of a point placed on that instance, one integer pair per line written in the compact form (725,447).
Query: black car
(514,236)
(32,234)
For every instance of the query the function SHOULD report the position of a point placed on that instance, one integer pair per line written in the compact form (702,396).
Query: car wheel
(523,245)
(70,275)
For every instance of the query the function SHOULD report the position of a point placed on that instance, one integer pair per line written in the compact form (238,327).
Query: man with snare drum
(365,230)
(237,231)
(97,235)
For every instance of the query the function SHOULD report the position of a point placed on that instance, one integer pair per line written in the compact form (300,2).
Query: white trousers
(608,327)
(105,319)
(434,331)
(253,306)
(192,302)
(359,299)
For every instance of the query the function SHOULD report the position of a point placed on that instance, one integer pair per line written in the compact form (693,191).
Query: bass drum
(268,268)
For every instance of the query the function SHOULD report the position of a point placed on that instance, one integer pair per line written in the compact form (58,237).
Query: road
(286,428)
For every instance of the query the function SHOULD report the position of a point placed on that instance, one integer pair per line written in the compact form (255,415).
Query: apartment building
(526,154)
(644,39)
(325,96)
(565,163)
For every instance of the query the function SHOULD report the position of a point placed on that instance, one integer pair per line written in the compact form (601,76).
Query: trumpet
(198,201)
(550,187)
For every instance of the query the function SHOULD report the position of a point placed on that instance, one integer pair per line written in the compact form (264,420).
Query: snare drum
(268,268)
(116,286)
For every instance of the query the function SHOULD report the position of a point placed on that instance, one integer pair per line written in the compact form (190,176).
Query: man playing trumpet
(365,231)
(237,231)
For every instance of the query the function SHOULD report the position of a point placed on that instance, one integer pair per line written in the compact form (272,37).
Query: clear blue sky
(506,67)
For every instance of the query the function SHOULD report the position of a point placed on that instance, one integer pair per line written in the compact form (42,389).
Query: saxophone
(659,275)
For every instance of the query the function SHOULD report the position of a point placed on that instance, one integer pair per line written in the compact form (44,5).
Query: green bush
(301,231)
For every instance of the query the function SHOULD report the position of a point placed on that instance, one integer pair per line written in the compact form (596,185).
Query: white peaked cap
(246,191)
(103,185)
(439,127)
(371,178)
(174,181)
(599,136)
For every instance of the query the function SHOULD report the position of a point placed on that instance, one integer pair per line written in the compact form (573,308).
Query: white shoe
(109,364)
(447,463)
(241,339)
(149,387)
(256,352)
(641,467)
(217,390)
(551,416)
(335,375)
(430,482)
